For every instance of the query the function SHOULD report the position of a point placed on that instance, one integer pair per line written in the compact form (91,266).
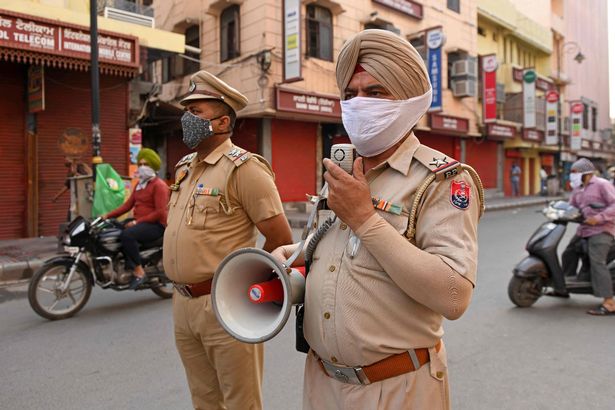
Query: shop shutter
(68,105)
(13,194)
(483,157)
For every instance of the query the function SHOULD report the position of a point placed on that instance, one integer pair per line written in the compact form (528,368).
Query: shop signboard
(292,40)
(552,99)
(308,103)
(36,88)
(529,98)
(449,123)
(576,121)
(408,7)
(500,131)
(435,40)
(51,37)
(532,135)
(489,64)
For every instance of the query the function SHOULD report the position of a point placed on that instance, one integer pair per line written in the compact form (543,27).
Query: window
(481,31)
(319,33)
(453,5)
(229,33)
(192,39)
(594,118)
(585,116)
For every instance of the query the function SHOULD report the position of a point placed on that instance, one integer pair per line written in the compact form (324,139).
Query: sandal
(601,311)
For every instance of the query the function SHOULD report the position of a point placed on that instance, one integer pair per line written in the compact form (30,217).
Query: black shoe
(557,294)
(136,281)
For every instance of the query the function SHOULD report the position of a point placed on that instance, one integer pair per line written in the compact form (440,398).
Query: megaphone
(252,294)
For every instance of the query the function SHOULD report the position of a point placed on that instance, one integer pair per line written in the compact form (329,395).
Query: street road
(118,353)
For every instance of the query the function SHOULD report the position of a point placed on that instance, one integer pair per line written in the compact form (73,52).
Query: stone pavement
(19,258)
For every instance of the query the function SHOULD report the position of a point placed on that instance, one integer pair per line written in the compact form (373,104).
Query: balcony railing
(125,5)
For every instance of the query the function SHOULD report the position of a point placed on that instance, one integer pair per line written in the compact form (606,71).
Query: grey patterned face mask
(196,129)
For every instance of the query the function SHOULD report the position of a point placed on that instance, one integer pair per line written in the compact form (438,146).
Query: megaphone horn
(252,294)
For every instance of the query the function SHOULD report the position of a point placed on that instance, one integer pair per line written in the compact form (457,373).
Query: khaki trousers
(426,388)
(222,372)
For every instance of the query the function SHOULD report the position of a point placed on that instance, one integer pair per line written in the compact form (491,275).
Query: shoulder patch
(460,194)
(185,159)
(442,166)
(238,155)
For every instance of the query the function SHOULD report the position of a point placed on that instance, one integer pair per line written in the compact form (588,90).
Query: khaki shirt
(199,232)
(355,313)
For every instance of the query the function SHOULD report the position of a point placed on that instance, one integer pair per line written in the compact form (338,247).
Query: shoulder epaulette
(238,155)
(185,159)
(442,166)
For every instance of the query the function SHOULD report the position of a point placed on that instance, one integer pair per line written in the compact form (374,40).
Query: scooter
(533,276)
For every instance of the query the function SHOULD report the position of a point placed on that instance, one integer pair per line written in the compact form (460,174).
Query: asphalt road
(119,353)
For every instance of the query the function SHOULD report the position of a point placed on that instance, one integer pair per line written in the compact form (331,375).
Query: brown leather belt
(386,368)
(193,290)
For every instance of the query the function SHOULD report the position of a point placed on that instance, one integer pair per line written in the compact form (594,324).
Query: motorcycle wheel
(524,292)
(165,290)
(45,296)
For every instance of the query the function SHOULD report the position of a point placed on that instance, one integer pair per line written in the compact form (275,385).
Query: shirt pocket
(205,207)
(362,257)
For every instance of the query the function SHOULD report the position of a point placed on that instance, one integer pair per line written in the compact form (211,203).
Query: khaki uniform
(357,314)
(214,206)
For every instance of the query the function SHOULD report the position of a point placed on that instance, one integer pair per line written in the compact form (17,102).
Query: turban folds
(151,157)
(388,58)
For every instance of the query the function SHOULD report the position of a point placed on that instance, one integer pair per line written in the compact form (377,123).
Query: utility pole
(96,136)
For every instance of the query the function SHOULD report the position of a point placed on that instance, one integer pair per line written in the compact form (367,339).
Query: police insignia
(192,87)
(460,194)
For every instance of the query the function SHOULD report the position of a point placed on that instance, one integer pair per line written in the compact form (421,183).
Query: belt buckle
(183,289)
(348,375)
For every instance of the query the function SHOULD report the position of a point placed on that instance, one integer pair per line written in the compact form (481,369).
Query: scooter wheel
(524,292)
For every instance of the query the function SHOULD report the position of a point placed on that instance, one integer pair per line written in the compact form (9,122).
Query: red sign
(552,96)
(532,135)
(45,36)
(36,88)
(405,6)
(541,83)
(502,131)
(308,103)
(490,107)
(577,108)
(451,124)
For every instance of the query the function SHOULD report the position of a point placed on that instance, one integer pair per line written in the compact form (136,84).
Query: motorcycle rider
(598,229)
(149,200)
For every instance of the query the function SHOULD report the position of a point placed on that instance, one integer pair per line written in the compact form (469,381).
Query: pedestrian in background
(515,176)
(543,181)
(221,196)
(148,202)
(377,289)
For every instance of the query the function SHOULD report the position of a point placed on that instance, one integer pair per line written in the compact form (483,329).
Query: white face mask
(145,173)
(375,125)
(576,180)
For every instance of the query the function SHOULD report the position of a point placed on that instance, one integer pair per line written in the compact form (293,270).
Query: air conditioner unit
(500,95)
(128,17)
(464,88)
(465,68)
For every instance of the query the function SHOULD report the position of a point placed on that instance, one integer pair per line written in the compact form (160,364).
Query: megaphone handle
(306,229)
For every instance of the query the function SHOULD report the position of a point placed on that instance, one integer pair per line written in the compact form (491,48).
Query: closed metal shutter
(13,196)
(68,104)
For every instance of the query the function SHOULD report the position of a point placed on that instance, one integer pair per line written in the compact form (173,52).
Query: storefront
(45,115)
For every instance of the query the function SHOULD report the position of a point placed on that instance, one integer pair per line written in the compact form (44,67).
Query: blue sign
(435,39)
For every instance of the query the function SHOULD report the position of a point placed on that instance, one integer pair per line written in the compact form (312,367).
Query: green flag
(109,192)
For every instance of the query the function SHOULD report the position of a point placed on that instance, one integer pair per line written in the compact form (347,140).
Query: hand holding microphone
(349,196)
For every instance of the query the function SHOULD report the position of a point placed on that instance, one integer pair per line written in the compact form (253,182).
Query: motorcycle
(534,274)
(62,286)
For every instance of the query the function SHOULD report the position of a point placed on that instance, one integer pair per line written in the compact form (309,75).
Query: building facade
(281,55)
(45,109)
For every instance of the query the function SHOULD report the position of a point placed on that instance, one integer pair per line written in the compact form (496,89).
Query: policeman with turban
(399,250)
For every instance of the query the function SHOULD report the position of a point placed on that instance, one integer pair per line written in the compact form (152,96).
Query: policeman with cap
(221,196)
